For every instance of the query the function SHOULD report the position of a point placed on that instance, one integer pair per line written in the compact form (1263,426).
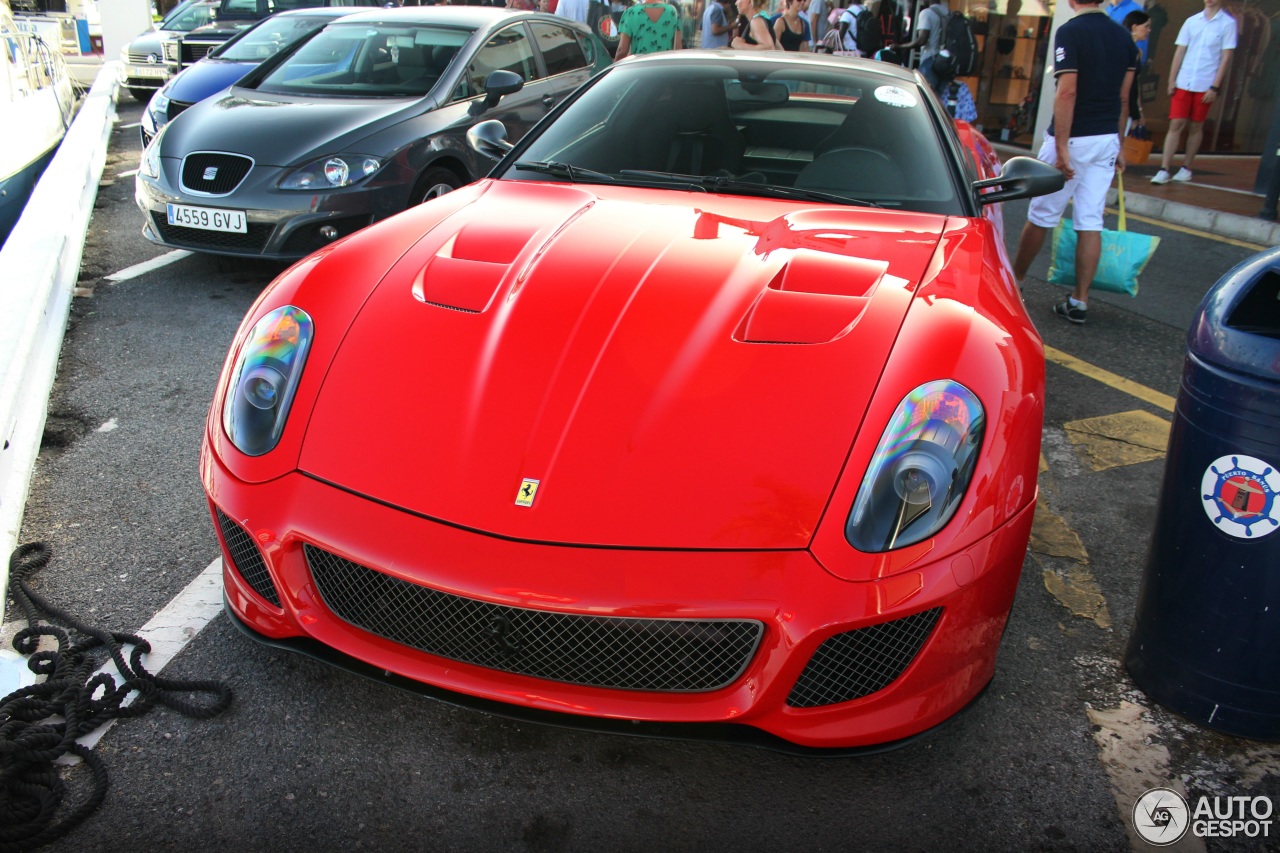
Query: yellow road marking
(1126,438)
(1053,537)
(1192,231)
(1112,380)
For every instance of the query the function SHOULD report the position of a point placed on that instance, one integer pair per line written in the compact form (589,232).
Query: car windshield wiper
(721,183)
(563,170)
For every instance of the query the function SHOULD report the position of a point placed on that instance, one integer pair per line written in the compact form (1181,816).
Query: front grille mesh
(858,663)
(176,108)
(228,171)
(665,655)
(253,241)
(246,559)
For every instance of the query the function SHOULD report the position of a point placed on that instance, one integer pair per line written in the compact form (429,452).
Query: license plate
(147,71)
(208,218)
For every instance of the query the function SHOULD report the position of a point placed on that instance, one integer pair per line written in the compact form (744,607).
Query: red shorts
(1186,104)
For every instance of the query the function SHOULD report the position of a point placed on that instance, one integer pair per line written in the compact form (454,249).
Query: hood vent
(467,270)
(815,298)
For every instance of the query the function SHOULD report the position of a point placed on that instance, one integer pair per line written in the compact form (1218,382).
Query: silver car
(354,125)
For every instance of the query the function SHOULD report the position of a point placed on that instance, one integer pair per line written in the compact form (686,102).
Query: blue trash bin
(1206,636)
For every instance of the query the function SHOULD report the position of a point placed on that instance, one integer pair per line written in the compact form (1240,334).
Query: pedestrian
(818,10)
(718,23)
(1204,48)
(848,26)
(1121,9)
(574,10)
(1094,66)
(1138,24)
(790,29)
(648,28)
(930,37)
(754,32)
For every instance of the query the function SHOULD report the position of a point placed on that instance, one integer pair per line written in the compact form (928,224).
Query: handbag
(832,43)
(1124,255)
(1137,145)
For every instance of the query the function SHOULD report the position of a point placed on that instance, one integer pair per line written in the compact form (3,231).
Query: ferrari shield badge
(528,489)
(1239,496)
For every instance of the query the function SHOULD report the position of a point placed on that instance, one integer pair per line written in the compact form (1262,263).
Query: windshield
(368,60)
(188,16)
(805,130)
(270,37)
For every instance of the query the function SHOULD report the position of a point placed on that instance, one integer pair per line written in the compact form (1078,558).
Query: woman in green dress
(648,28)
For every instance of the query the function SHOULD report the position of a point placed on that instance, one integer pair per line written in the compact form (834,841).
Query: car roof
(316,12)
(884,69)
(464,16)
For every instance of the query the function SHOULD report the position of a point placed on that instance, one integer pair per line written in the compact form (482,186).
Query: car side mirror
(497,84)
(1021,177)
(489,138)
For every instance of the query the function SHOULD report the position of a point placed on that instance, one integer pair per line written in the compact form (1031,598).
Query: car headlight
(328,173)
(265,378)
(158,106)
(920,470)
(150,165)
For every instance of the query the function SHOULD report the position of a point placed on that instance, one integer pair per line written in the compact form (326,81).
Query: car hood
(277,131)
(675,370)
(148,42)
(207,77)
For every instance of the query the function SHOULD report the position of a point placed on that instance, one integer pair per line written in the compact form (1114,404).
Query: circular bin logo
(1239,496)
(1161,816)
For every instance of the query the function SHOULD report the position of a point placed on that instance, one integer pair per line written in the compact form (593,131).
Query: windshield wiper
(563,170)
(720,183)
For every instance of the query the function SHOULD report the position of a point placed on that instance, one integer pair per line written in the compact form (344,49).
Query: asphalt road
(309,758)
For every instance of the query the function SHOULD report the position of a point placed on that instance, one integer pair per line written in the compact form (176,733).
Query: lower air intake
(665,655)
(246,559)
(858,663)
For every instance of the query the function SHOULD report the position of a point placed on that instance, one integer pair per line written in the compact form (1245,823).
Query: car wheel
(143,95)
(435,183)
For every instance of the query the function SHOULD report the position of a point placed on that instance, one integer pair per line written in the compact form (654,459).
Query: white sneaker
(1161,177)
(1184,175)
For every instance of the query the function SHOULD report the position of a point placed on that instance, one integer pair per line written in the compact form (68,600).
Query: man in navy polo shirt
(1094,63)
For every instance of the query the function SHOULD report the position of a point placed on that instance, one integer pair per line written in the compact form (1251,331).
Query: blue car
(232,60)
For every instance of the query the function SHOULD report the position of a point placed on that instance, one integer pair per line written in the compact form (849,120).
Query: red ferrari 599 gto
(713,410)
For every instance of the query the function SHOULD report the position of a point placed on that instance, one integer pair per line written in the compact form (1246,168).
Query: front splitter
(735,734)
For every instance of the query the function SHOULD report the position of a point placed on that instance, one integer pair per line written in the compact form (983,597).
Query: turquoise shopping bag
(1124,255)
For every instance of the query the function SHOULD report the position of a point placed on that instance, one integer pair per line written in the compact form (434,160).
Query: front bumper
(802,607)
(281,225)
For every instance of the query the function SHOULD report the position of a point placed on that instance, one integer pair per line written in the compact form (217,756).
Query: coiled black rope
(40,723)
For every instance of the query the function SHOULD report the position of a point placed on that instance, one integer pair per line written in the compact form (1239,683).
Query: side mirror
(1022,177)
(489,138)
(497,84)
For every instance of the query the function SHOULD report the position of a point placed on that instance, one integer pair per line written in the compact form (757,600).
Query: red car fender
(966,309)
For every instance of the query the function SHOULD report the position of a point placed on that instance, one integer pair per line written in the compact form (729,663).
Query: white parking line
(170,630)
(128,174)
(147,266)
(135,124)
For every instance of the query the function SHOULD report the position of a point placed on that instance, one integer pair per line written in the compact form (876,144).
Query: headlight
(265,378)
(150,165)
(329,173)
(158,106)
(921,468)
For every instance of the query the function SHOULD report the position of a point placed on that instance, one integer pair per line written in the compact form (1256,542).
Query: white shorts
(1094,160)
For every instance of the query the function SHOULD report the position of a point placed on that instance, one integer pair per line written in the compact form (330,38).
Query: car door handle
(548,101)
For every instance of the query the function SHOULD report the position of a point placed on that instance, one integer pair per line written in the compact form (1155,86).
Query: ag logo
(1161,816)
(528,490)
(1239,496)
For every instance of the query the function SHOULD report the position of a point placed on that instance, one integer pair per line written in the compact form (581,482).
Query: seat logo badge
(210,173)
(528,489)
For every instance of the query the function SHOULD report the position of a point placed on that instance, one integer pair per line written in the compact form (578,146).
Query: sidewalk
(1219,199)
